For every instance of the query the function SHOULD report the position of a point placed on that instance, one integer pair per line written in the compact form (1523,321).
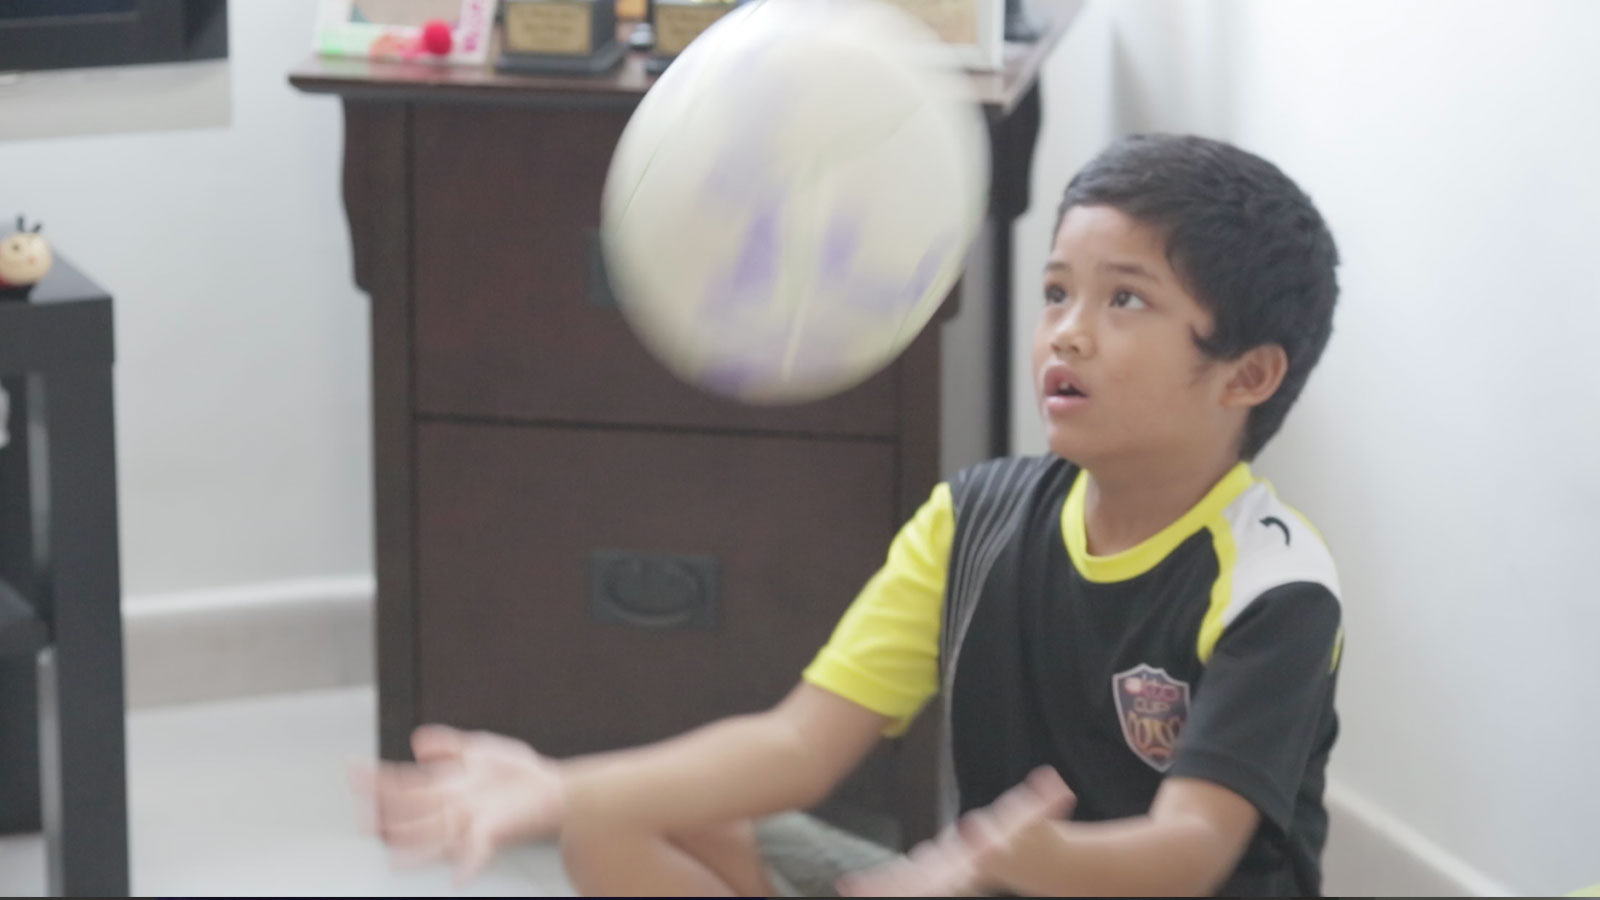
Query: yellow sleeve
(884,653)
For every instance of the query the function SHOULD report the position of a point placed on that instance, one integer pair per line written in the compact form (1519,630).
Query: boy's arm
(789,757)
(470,793)
(883,655)
(1187,845)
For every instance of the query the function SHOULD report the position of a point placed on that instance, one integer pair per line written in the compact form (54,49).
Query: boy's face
(1115,363)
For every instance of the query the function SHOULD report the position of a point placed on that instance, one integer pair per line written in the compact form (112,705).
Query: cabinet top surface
(998,91)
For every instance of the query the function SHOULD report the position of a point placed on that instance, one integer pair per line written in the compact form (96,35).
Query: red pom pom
(437,38)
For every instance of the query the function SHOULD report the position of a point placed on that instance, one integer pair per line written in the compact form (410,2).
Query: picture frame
(971,32)
(338,35)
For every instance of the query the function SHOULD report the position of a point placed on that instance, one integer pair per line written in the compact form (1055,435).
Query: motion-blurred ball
(793,198)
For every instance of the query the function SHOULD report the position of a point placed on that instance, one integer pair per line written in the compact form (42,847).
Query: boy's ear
(1256,376)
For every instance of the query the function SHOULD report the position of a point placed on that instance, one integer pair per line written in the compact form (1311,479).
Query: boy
(1133,614)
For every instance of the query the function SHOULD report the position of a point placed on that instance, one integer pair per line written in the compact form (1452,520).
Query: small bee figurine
(25,259)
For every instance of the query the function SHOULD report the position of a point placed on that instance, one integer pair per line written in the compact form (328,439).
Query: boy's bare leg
(717,861)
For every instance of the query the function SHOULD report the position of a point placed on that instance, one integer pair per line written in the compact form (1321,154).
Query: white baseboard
(244,641)
(1371,853)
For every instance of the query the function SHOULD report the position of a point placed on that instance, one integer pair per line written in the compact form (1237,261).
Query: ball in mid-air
(793,199)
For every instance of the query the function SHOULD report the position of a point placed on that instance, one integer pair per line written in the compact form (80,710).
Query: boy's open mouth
(1060,381)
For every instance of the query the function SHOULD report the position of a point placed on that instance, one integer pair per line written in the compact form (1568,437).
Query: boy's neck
(1125,507)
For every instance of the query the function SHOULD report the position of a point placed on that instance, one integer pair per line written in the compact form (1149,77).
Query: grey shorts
(806,856)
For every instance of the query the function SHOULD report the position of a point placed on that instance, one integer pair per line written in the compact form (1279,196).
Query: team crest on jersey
(1152,707)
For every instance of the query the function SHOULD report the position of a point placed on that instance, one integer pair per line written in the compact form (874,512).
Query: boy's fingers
(1017,808)
(390,776)
(1062,807)
(406,802)
(436,742)
(1042,795)
(490,740)
(476,851)
(383,779)
(422,832)
(1050,785)
(1053,792)
(981,832)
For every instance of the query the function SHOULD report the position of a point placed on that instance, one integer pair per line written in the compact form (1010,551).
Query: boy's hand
(952,863)
(468,794)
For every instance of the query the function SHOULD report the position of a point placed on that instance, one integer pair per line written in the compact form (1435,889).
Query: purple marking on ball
(759,357)
(887,295)
(729,377)
(754,274)
(815,360)
(840,243)
(757,267)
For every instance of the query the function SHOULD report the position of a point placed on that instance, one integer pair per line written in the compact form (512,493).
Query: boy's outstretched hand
(467,795)
(951,864)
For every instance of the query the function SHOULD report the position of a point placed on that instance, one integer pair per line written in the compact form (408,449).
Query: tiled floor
(249,797)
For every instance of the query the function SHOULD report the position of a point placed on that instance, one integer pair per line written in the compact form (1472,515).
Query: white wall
(242,377)
(1448,444)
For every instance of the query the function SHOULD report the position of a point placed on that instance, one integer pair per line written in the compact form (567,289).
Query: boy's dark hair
(1247,242)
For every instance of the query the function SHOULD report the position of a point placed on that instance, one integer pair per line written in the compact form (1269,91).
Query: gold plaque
(955,21)
(553,26)
(679,23)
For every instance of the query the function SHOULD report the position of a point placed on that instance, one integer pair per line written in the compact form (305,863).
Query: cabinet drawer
(510,522)
(506,204)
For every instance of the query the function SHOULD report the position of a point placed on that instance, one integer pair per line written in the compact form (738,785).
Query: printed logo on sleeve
(1152,707)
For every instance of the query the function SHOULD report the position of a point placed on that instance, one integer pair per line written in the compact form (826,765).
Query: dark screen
(41,9)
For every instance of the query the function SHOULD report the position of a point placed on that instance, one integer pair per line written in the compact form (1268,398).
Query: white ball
(793,198)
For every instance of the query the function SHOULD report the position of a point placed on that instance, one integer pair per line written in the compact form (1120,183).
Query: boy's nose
(1074,333)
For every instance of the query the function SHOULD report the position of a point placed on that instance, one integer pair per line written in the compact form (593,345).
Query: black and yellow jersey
(1210,650)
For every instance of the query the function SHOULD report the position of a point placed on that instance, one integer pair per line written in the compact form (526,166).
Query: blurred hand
(951,864)
(467,795)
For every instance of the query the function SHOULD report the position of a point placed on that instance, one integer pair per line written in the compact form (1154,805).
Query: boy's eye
(1128,300)
(1054,294)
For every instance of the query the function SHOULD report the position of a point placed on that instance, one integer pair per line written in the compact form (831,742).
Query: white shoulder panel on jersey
(1273,545)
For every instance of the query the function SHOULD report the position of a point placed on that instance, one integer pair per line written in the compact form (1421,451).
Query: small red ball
(437,38)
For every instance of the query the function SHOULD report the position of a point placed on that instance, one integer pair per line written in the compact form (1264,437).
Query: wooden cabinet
(573,547)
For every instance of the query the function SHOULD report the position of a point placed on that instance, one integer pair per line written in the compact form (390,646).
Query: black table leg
(19,703)
(81,705)
(19,747)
